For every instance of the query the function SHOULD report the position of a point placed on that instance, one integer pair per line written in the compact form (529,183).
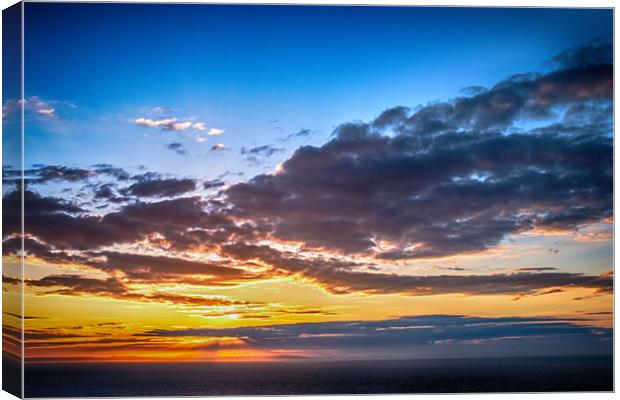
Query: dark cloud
(36,208)
(177,148)
(513,284)
(194,300)
(46,173)
(423,336)
(585,74)
(13,245)
(161,187)
(111,324)
(54,225)
(108,192)
(593,53)
(110,170)
(9,280)
(63,225)
(304,132)
(213,184)
(256,155)
(536,269)
(39,334)
(391,117)
(41,174)
(463,192)
(266,150)
(77,285)
(344,277)
(18,316)
(147,184)
(446,181)
(135,267)
(158,268)
(101,179)
(87,342)
(72,284)
(451,268)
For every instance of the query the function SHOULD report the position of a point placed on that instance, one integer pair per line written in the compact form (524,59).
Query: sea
(532,374)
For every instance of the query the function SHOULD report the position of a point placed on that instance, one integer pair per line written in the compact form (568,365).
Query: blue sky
(238,68)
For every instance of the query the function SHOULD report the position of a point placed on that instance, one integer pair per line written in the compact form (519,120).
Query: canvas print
(293,200)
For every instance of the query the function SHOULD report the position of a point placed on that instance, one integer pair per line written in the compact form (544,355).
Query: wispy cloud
(213,184)
(200,126)
(304,132)
(256,155)
(50,112)
(178,126)
(177,148)
(38,107)
(175,124)
(160,109)
(154,123)
(266,150)
(215,132)
(219,147)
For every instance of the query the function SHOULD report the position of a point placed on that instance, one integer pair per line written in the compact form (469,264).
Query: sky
(290,182)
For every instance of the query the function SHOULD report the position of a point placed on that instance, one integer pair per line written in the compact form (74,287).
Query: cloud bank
(532,154)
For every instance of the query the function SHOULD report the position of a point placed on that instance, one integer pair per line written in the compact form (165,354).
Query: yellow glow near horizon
(79,321)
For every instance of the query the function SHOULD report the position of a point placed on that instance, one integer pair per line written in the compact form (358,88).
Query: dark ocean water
(11,375)
(540,374)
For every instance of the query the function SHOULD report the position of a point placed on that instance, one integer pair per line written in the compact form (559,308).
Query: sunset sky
(274,183)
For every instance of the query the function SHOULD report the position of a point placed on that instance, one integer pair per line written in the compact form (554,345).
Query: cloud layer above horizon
(530,156)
